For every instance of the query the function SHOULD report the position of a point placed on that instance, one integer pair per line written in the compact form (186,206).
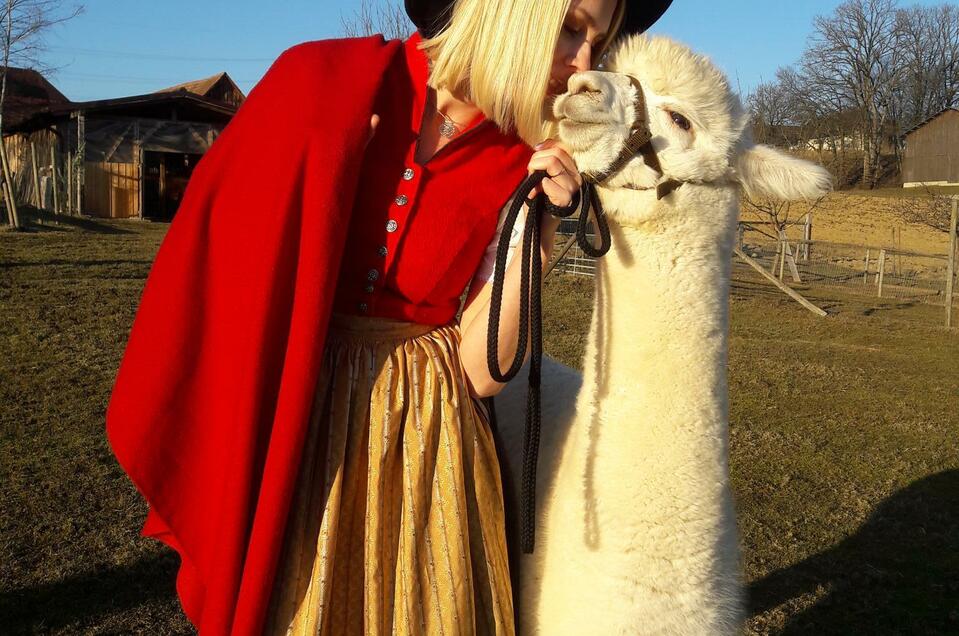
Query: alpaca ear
(765,172)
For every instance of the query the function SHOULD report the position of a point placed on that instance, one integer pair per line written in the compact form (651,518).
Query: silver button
(382,251)
(368,289)
(372,274)
(391,226)
(401,200)
(408,174)
(362,307)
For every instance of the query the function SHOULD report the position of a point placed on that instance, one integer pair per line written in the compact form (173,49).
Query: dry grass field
(843,439)
(865,218)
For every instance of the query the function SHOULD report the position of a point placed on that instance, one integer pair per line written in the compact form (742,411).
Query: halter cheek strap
(639,142)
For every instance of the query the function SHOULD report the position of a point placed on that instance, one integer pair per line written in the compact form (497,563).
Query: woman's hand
(563,181)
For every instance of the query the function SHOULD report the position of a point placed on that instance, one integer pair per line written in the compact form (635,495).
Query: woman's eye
(570,30)
(680,121)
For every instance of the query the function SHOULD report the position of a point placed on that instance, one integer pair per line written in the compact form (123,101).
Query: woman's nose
(582,58)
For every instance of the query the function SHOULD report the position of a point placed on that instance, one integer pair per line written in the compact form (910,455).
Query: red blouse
(418,232)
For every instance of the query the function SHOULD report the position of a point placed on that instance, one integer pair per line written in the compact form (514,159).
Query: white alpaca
(636,530)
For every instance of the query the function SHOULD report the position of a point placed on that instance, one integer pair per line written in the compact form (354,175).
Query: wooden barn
(931,155)
(117,158)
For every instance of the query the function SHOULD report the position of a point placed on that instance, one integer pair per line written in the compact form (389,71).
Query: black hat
(430,16)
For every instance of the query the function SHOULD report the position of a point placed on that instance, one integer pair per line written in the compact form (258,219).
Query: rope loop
(530,313)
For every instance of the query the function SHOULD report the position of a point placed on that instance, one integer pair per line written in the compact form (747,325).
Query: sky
(122,47)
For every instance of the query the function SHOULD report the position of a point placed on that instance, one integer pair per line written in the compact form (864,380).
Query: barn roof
(926,121)
(202,86)
(33,102)
(27,91)
(42,116)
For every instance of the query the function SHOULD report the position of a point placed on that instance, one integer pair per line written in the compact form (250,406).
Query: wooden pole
(81,157)
(782,287)
(782,255)
(951,266)
(882,270)
(36,175)
(8,184)
(865,271)
(53,175)
(807,236)
(69,183)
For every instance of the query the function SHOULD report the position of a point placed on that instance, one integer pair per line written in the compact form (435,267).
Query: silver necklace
(448,127)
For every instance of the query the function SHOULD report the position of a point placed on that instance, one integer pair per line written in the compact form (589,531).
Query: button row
(391,226)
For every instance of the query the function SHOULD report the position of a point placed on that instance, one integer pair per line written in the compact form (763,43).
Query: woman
(379,508)
(398,525)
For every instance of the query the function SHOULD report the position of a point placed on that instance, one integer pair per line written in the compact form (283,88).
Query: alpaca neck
(656,354)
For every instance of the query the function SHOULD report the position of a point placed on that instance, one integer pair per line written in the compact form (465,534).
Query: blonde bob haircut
(498,55)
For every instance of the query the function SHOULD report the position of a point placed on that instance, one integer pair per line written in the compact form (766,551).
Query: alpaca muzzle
(639,142)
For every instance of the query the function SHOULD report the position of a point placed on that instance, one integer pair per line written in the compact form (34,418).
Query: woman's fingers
(554,148)
(564,178)
(374,122)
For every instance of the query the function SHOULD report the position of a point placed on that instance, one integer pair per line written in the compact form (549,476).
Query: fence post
(882,269)
(865,271)
(8,181)
(69,201)
(37,201)
(53,169)
(951,265)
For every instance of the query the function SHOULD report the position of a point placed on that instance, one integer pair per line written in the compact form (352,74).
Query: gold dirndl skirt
(397,524)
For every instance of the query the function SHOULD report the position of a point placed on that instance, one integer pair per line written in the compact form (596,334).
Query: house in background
(931,155)
(114,158)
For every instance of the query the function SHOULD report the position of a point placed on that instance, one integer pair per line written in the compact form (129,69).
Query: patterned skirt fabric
(397,526)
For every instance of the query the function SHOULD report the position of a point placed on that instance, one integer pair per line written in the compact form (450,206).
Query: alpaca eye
(680,121)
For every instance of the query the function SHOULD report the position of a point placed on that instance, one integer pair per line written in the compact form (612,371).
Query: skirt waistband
(376,328)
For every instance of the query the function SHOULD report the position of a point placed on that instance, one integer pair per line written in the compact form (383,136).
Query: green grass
(843,440)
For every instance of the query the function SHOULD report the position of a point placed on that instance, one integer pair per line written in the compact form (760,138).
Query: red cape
(212,398)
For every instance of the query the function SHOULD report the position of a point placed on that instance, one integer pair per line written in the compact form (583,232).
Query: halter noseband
(639,142)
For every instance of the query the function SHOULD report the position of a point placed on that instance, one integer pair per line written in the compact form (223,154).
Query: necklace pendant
(447,129)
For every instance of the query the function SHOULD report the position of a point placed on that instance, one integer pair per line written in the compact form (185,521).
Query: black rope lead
(530,313)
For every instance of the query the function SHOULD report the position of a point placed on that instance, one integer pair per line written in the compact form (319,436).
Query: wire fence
(829,269)
(883,272)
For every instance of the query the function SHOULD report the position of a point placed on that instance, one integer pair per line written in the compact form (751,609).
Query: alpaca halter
(530,316)
(639,142)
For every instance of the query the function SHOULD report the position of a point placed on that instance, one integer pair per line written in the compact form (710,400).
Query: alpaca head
(699,128)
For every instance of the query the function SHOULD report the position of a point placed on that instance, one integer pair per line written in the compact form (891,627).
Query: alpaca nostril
(584,83)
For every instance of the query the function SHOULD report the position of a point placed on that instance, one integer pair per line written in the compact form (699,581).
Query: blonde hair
(498,54)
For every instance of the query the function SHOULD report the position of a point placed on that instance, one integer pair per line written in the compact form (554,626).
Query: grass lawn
(843,436)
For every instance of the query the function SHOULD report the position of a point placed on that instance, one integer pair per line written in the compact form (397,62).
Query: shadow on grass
(34,220)
(75,263)
(898,574)
(55,605)
(868,311)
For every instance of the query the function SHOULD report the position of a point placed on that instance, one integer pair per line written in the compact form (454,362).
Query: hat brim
(430,16)
(640,18)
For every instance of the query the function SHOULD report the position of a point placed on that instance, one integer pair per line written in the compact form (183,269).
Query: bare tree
(932,210)
(25,24)
(855,52)
(929,40)
(390,20)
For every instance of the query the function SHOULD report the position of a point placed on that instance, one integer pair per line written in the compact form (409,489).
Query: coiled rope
(530,314)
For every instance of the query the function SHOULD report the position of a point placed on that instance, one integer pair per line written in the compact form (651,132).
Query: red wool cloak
(212,398)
